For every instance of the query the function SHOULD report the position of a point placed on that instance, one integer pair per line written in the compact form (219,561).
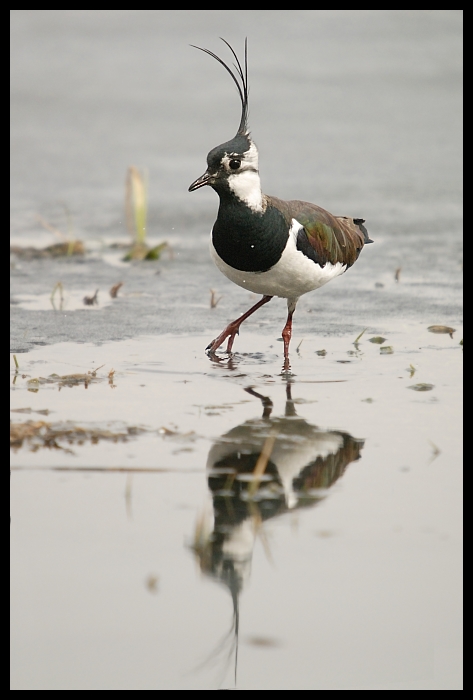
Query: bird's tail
(359,223)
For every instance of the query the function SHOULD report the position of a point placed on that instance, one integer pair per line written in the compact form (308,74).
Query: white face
(244,180)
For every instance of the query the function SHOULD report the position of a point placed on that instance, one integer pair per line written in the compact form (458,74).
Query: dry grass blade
(136,208)
(136,203)
(60,289)
(359,336)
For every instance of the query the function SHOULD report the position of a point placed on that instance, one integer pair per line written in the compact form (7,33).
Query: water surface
(142,540)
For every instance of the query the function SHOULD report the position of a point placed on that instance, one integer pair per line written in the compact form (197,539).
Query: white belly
(295,274)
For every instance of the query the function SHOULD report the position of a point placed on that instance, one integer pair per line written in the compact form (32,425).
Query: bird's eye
(234,163)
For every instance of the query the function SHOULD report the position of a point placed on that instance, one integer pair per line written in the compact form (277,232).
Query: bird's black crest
(240,79)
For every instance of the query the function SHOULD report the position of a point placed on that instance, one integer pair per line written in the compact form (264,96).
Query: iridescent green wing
(325,238)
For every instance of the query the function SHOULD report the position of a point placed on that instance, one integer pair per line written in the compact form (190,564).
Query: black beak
(201,181)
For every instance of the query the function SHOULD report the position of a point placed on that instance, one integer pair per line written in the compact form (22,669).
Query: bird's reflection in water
(258,470)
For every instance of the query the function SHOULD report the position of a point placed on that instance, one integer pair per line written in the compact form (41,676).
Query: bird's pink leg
(286,336)
(233,328)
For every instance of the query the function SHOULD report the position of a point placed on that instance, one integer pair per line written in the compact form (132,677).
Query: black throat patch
(247,240)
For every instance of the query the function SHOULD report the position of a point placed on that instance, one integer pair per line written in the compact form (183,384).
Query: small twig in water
(435,451)
(90,301)
(114,290)
(57,287)
(213,299)
(128,494)
(45,224)
(93,373)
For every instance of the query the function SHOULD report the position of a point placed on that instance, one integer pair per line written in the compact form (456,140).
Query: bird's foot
(210,349)
(287,374)
(286,369)
(230,332)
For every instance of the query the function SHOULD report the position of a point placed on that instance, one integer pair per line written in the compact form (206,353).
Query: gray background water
(356,110)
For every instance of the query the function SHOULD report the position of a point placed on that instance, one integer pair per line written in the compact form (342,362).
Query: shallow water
(356,587)
(140,534)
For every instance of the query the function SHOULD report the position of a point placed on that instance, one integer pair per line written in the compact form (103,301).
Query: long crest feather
(241,76)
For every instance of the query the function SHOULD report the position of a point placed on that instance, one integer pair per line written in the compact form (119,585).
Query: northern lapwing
(265,244)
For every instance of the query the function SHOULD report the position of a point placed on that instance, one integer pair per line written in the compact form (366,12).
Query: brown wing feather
(332,238)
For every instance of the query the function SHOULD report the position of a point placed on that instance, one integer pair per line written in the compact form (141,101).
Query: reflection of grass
(261,464)
(136,205)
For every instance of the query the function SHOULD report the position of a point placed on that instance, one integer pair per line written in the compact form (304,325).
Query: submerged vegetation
(37,434)
(67,247)
(136,209)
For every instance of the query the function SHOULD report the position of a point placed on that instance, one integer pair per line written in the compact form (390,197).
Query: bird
(264,244)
